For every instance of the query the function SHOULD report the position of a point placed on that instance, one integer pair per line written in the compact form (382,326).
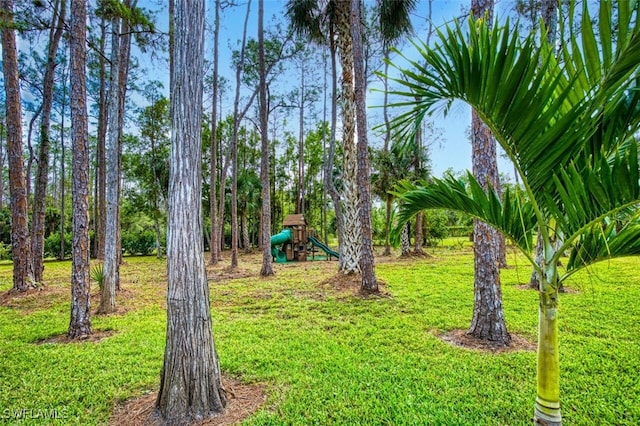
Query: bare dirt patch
(228,273)
(95,337)
(460,338)
(32,299)
(242,401)
(349,285)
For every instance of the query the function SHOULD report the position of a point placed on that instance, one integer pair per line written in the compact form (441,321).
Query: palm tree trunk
(369,280)
(352,243)
(547,406)
(405,242)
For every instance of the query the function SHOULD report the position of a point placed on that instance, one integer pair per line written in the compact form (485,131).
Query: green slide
(282,237)
(323,247)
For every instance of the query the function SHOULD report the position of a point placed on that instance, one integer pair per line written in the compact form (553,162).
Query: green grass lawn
(328,357)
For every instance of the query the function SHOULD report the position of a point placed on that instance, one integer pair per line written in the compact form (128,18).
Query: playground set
(296,243)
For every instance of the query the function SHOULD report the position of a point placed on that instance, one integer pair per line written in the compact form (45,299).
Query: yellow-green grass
(328,357)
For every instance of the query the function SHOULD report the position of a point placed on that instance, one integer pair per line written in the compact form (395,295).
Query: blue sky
(452,150)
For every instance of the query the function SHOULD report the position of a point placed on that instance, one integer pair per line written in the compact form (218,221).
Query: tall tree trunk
(300,207)
(488,315)
(80,324)
(215,235)
(265,217)
(101,176)
(40,196)
(190,384)
(234,148)
(352,243)
(385,149)
(21,247)
(125,50)
(369,281)
(2,150)
(62,178)
(328,167)
(111,266)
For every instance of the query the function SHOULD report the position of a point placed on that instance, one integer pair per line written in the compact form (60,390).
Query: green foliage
(435,227)
(139,242)
(97,274)
(5,251)
(52,245)
(329,358)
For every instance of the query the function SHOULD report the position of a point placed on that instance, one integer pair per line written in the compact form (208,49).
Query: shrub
(139,243)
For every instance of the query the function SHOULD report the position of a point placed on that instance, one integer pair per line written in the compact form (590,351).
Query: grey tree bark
(234,148)
(80,324)
(21,246)
(101,177)
(265,222)
(42,179)
(215,235)
(190,385)
(111,266)
(367,270)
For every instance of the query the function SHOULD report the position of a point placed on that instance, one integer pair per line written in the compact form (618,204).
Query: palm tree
(568,127)
(311,17)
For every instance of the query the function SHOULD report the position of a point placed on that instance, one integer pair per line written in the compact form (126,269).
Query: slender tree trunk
(100,219)
(190,385)
(123,70)
(328,167)
(385,149)
(62,179)
(21,247)
(111,266)
(369,280)
(352,243)
(265,218)
(31,156)
(300,207)
(215,234)
(2,133)
(42,180)
(387,227)
(234,149)
(80,324)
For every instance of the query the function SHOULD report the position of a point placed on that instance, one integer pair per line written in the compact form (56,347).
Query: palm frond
(606,240)
(513,215)
(585,195)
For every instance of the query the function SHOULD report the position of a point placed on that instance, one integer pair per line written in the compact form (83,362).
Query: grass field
(329,357)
